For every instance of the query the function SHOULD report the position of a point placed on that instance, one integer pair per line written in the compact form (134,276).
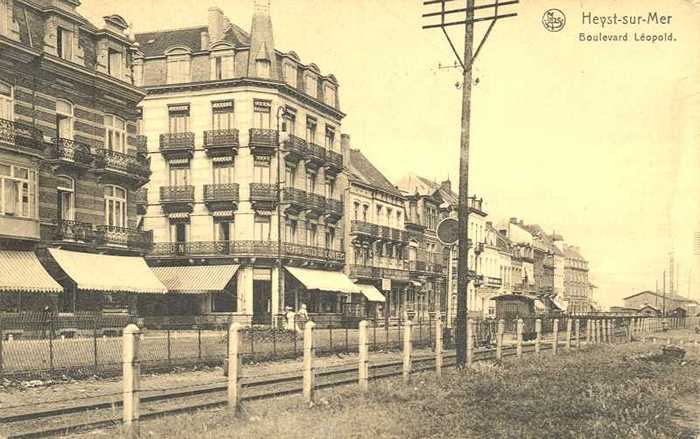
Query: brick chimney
(216,24)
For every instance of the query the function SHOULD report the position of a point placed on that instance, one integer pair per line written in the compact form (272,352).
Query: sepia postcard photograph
(381,219)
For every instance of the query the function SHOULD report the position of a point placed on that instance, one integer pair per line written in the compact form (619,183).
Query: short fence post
(596,330)
(438,346)
(608,331)
(309,361)
(234,362)
(407,348)
(51,345)
(169,353)
(555,337)
(131,370)
(499,339)
(577,328)
(588,331)
(199,342)
(94,343)
(470,342)
(2,336)
(538,335)
(567,343)
(363,367)
(519,337)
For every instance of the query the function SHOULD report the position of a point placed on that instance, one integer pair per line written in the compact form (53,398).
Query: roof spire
(262,7)
(262,43)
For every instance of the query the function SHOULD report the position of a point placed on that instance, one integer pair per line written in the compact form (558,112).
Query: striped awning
(21,271)
(333,281)
(196,280)
(108,273)
(371,293)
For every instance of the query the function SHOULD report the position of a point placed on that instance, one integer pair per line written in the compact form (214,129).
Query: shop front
(24,283)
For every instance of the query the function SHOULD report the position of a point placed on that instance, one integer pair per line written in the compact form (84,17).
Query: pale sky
(596,140)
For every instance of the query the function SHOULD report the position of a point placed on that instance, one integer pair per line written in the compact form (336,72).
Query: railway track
(62,420)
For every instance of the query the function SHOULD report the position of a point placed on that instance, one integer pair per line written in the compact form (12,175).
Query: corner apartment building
(377,238)
(244,141)
(577,286)
(70,160)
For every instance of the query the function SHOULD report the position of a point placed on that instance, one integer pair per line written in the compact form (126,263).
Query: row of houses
(203,171)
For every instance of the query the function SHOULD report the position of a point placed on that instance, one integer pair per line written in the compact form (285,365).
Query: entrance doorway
(262,302)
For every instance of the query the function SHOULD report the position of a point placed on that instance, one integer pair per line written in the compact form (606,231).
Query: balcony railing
(263,138)
(334,207)
(19,134)
(316,203)
(317,153)
(295,197)
(334,161)
(177,194)
(263,192)
(221,192)
(141,196)
(116,161)
(246,248)
(227,138)
(475,203)
(364,271)
(364,228)
(177,142)
(73,231)
(123,237)
(295,147)
(72,151)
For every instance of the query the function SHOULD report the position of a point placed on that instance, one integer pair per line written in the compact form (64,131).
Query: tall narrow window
(330,188)
(179,175)
(64,120)
(114,63)
(311,85)
(313,235)
(178,69)
(223,230)
(330,137)
(290,121)
(290,176)
(179,118)
(290,74)
(311,183)
(222,115)
(291,231)
(115,134)
(261,230)
(7,103)
(261,110)
(311,129)
(223,172)
(330,238)
(179,232)
(218,68)
(66,198)
(64,43)
(115,206)
(261,169)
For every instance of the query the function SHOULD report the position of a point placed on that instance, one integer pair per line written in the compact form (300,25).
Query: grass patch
(598,393)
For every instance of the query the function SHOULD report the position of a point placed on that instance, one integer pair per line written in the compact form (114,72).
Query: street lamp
(282,137)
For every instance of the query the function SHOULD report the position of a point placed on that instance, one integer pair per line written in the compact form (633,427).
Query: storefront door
(262,302)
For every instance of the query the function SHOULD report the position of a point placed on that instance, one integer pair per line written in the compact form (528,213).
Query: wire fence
(33,345)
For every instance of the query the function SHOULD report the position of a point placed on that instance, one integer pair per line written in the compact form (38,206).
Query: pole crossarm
(475,20)
(476,8)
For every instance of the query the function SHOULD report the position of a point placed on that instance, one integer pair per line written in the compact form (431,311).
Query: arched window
(115,136)
(7,102)
(115,206)
(65,188)
(64,120)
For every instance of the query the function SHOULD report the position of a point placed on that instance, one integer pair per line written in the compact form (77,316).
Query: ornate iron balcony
(364,228)
(316,203)
(177,144)
(71,151)
(142,145)
(296,148)
(123,237)
(226,138)
(317,154)
(177,194)
(263,192)
(334,162)
(221,192)
(73,231)
(263,138)
(246,248)
(20,134)
(108,160)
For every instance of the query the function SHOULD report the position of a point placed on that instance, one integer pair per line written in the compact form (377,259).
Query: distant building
(658,301)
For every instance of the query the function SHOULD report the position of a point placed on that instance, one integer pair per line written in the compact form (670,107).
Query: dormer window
(178,67)
(114,63)
(311,85)
(290,74)
(329,95)
(64,43)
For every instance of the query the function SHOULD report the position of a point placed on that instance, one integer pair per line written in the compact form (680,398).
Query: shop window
(225,301)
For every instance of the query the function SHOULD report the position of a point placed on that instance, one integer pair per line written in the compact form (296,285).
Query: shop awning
(196,280)
(324,280)
(372,293)
(22,272)
(558,303)
(114,274)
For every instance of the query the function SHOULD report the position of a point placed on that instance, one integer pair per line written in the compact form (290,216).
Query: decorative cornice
(240,82)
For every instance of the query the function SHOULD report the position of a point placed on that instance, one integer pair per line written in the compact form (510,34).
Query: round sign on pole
(448,231)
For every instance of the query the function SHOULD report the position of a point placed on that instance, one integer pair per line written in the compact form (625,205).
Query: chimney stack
(345,146)
(216,24)
(513,220)
(204,39)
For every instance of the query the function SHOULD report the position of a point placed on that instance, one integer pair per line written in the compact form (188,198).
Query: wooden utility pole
(466,63)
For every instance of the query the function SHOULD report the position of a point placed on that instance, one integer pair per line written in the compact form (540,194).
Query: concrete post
(630,332)
(519,335)
(567,342)
(604,328)
(308,385)
(234,363)
(555,336)
(438,346)
(499,339)
(470,342)
(363,367)
(131,369)
(407,348)
(538,335)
